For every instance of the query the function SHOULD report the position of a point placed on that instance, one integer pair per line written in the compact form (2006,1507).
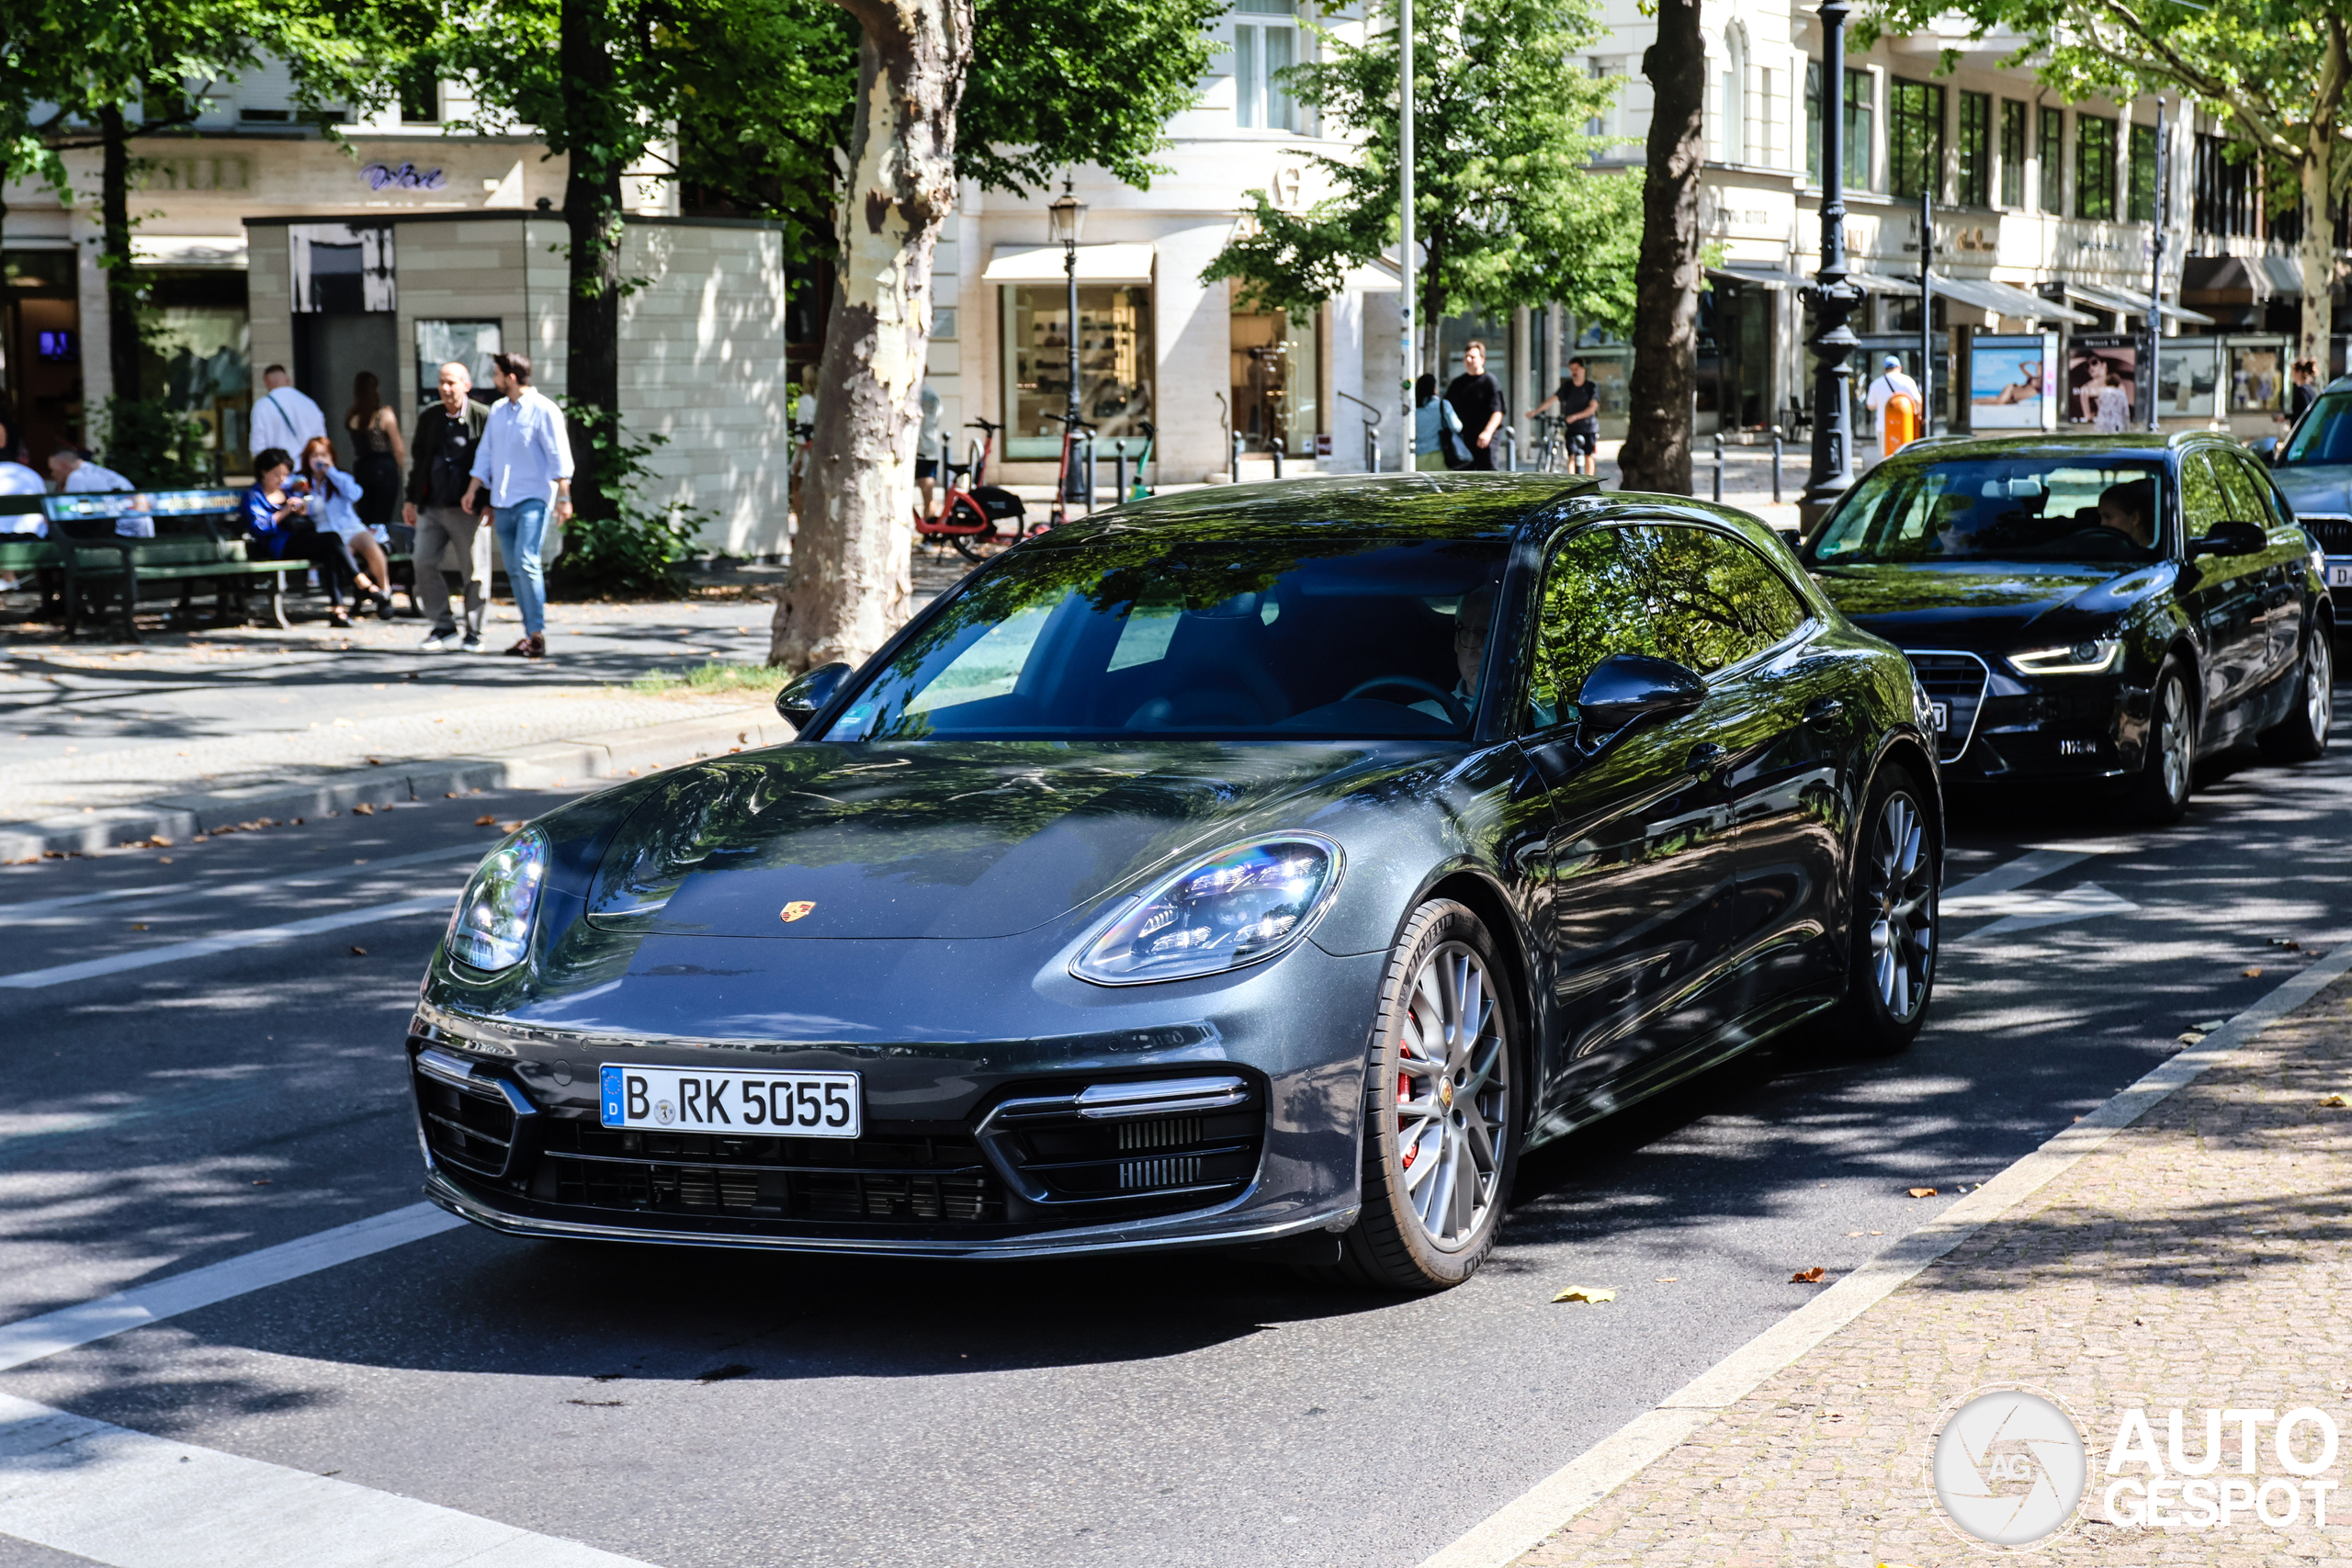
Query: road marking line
(2031,866)
(30,1338)
(1551,1503)
(173,893)
(2030,911)
(130,1500)
(147,957)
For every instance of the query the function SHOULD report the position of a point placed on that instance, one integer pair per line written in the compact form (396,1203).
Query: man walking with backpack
(441,463)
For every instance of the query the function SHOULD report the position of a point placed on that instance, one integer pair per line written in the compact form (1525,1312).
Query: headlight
(2094,656)
(1241,906)
(492,927)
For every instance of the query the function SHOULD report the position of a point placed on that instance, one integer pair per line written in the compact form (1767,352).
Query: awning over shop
(188,249)
(1043,263)
(2005,299)
(1759,275)
(2241,280)
(1879,283)
(2130,302)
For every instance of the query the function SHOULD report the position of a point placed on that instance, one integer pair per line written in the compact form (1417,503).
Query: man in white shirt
(1892,381)
(524,461)
(78,474)
(283,417)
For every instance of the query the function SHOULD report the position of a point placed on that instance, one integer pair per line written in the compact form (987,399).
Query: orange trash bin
(1901,424)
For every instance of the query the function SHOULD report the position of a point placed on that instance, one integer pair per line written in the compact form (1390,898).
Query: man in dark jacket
(1477,400)
(440,462)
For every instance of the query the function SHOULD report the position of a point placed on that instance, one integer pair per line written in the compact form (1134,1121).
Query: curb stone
(612,754)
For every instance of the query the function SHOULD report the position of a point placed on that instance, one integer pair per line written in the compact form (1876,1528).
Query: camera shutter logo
(2009,1466)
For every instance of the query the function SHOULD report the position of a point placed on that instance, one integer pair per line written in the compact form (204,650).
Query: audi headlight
(1239,907)
(491,928)
(2090,657)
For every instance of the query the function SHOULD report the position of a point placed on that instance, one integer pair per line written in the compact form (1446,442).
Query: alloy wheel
(2319,684)
(1452,1097)
(1901,899)
(2172,738)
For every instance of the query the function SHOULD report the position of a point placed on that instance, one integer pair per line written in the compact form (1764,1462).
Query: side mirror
(1627,686)
(2231,538)
(798,702)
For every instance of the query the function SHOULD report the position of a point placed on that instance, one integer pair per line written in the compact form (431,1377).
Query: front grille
(2333,534)
(873,1179)
(1116,1150)
(470,1121)
(1956,682)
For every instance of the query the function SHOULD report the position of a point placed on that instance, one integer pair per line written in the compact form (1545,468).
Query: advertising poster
(2011,381)
(2186,374)
(2101,382)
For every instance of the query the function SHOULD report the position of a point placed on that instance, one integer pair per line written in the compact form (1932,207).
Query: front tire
(2303,736)
(2159,796)
(1442,1108)
(1890,964)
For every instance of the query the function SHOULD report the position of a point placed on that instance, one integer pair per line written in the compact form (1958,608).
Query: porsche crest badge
(792,912)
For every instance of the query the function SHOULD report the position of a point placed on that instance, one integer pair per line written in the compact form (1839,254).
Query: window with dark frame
(2143,174)
(1975,150)
(2224,193)
(1858,126)
(2094,166)
(2012,153)
(1915,137)
(2052,148)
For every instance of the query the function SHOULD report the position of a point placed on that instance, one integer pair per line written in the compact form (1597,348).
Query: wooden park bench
(119,549)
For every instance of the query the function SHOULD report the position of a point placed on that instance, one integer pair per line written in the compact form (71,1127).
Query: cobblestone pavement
(2196,1261)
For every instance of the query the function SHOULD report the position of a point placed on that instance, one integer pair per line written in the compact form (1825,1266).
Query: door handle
(1704,759)
(1823,712)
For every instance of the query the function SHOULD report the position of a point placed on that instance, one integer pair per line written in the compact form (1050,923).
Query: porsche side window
(1690,594)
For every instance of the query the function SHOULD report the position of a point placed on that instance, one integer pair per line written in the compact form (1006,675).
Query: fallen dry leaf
(163,860)
(1594,1294)
(363,810)
(1923,1191)
(138,928)
(2254,974)
(159,842)
(1805,1277)
(2192,1037)
(263,1182)
(2286,943)
(2336,1099)
(514,827)
(485,821)
(1670,1279)
(358,953)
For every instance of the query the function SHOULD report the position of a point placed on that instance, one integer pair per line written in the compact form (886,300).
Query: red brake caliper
(1404,1093)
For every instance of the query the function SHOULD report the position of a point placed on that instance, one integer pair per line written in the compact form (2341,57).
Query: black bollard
(1719,465)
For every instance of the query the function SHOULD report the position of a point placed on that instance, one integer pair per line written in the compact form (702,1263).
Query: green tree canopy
(1506,208)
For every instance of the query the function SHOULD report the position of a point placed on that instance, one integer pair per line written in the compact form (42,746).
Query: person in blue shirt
(334,510)
(278,526)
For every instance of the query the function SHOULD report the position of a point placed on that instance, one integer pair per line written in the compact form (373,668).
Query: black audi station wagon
(1268,866)
(2092,611)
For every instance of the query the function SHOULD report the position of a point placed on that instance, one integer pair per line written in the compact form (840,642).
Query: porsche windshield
(1129,635)
(2043,508)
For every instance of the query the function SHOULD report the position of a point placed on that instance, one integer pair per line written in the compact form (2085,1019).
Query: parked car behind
(2312,465)
(1263,865)
(2090,611)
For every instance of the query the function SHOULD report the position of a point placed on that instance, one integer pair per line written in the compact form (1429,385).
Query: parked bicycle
(972,516)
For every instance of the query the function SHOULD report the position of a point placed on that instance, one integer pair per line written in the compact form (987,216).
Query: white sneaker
(441,640)
(471,645)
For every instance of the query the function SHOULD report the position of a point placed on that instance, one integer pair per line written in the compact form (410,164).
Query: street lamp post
(1834,296)
(1068,218)
(1405,338)
(2152,369)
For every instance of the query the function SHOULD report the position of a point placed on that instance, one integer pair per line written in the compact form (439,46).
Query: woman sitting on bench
(275,524)
(335,508)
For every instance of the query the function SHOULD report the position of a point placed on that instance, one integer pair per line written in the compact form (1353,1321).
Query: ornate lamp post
(1067,216)
(1833,298)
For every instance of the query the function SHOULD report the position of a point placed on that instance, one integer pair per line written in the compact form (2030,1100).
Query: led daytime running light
(2090,657)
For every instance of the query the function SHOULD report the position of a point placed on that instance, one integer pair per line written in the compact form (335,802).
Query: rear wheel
(2303,736)
(1441,1109)
(1891,969)
(2160,794)
(971,546)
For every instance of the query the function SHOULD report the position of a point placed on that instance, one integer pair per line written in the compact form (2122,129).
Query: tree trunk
(113,252)
(591,215)
(848,587)
(1657,453)
(2317,253)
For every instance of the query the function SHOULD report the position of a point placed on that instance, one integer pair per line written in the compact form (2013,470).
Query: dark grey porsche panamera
(1261,865)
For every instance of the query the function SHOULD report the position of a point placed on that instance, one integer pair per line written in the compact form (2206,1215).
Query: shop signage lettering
(404,176)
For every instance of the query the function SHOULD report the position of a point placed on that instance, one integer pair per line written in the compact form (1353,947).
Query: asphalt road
(168,1107)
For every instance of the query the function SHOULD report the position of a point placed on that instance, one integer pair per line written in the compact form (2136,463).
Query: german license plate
(2339,576)
(1943,716)
(729,1100)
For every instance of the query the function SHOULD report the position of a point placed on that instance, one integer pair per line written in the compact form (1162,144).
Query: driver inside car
(1470,622)
(2125,509)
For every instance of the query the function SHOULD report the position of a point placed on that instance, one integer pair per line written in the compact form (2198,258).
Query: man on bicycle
(1579,401)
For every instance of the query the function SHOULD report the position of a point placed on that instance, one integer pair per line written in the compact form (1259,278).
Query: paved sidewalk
(2197,1260)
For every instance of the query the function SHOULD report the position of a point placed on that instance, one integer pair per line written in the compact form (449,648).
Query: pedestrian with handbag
(525,463)
(448,433)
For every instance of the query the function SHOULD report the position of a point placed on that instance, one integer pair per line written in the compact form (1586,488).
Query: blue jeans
(521,528)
